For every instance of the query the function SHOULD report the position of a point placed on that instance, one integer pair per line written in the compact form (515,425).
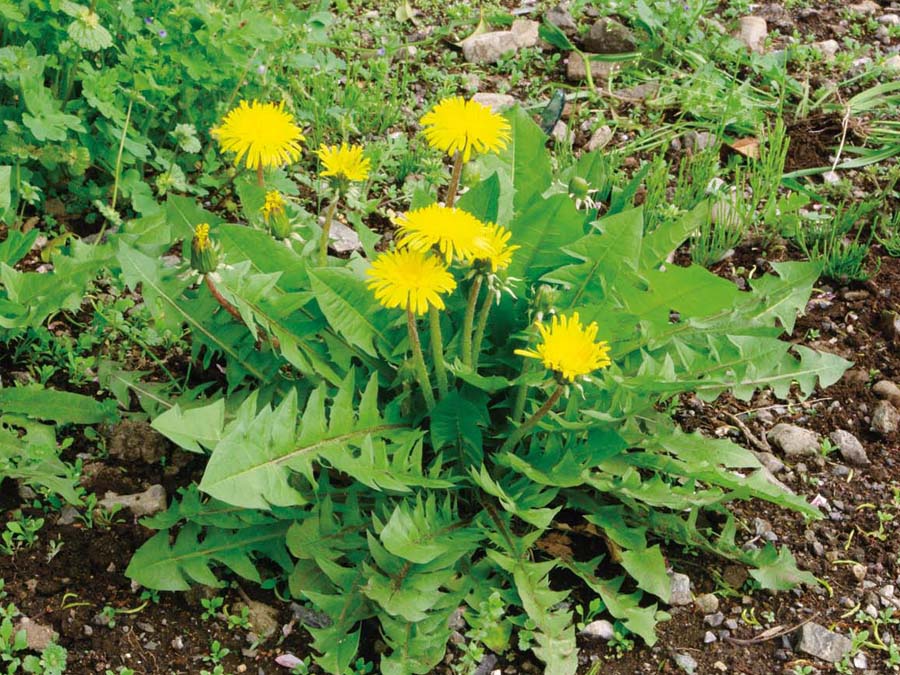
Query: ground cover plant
(427,373)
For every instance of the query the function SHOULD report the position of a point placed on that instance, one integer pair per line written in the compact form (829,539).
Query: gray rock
(822,643)
(681,590)
(599,139)
(866,7)
(859,571)
(794,441)
(639,92)
(576,70)
(560,17)
(314,619)
(851,449)
(495,102)
(889,19)
(133,441)
(893,63)
(714,620)
(68,515)
(525,32)
(146,503)
(753,32)
(343,239)
(686,662)
(263,619)
(707,603)
(37,636)
(885,418)
(829,48)
(601,629)
(489,47)
(562,134)
(709,637)
(770,462)
(609,37)
(885,389)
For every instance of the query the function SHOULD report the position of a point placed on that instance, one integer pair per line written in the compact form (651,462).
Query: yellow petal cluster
(344,162)
(456,233)
(260,134)
(499,250)
(569,348)
(457,125)
(409,279)
(273,205)
(201,237)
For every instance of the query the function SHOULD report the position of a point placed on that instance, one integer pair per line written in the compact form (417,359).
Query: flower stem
(480,328)
(521,394)
(437,349)
(469,319)
(454,179)
(419,360)
(227,306)
(326,231)
(259,176)
(532,421)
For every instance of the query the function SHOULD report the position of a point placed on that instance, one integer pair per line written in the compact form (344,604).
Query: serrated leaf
(349,306)
(193,427)
(776,569)
(62,407)
(648,567)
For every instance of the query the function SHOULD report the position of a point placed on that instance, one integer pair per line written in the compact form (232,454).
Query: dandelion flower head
(201,237)
(410,280)
(273,205)
(457,125)
(569,348)
(499,251)
(455,232)
(344,162)
(260,134)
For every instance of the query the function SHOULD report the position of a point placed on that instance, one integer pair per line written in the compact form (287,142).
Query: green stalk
(419,360)
(469,319)
(454,179)
(521,393)
(326,230)
(437,349)
(532,421)
(480,328)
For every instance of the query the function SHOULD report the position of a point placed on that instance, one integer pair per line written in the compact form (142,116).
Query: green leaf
(87,32)
(542,231)
(165,567)
(6,198)
(670,235)
(61,407)
(648,568)
(551,33)
(455,421)
(349,306)
(193,427)
(776,569)
(483,200)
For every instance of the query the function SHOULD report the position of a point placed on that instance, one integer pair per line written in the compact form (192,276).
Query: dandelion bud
(275,215)
(204,258)
(578,187)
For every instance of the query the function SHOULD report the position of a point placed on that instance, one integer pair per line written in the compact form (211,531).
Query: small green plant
(826,447)
(20,533)
(239,620)
(211,607)
(826,238)
(107,616)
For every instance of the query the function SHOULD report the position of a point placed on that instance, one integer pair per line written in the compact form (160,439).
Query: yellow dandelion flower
(499,251)
(457,125)
(344,162)
(409,279)
(273,205)
(569,348)
(455,232)
(201,237)
(260,134)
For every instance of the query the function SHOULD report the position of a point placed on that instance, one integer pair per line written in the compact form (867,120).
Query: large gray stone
(136,442)
(489,47)
(680,590)
(822,643)
(599,139)
(560,17)
(851,449)
(609,37)
(887,390)
(576,70)
(885,418)
(601,629)
(495,102)
(146,503)
(753,32)
(37,636)
(794,441)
